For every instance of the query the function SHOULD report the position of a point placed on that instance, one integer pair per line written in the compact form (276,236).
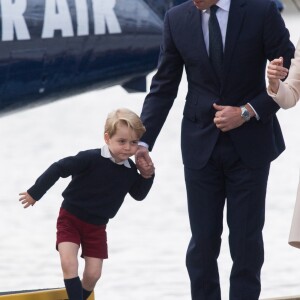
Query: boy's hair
(126,117)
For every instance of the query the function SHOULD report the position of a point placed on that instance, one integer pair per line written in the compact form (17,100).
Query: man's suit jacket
(255,32)
(289,91)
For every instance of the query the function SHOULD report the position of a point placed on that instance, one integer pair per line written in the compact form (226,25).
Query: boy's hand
(144,162)
(145,169)
(26,199)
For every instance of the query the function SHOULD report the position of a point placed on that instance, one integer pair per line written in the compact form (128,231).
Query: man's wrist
(250,110)
(245,114)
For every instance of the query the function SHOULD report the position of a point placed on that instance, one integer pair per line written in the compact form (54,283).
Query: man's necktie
(215,41)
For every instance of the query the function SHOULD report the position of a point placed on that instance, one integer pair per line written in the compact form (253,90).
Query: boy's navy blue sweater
(98,186)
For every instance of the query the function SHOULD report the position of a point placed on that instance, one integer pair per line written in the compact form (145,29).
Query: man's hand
(229,117)
(143,162)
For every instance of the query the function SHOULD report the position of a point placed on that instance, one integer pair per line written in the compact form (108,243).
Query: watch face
(245,114)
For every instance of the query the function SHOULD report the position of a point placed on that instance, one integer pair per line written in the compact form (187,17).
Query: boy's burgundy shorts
(92,238)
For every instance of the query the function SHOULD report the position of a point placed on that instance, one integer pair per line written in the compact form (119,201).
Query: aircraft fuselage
(50,49)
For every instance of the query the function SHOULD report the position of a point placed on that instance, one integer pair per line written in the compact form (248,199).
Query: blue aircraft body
(50,49)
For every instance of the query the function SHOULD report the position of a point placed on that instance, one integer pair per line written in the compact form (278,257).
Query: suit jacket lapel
(194,24)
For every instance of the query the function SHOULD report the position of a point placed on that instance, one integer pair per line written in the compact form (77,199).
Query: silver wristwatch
(245,113)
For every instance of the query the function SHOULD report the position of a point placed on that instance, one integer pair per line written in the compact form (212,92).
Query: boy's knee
(90,279)
(69,265)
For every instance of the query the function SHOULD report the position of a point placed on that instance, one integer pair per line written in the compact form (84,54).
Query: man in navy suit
(230,133)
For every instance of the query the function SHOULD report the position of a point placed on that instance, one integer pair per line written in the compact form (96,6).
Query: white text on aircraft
(57,16)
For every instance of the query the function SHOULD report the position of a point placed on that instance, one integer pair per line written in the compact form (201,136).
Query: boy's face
(123,144)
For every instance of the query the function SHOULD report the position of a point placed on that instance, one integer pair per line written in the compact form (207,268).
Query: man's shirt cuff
(256,114)
(143,144)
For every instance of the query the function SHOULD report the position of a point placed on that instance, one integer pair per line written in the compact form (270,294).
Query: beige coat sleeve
(289,91)
(287,96)
(294,238)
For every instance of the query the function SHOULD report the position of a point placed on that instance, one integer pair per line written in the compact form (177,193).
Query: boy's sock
(74,288)
(86,293)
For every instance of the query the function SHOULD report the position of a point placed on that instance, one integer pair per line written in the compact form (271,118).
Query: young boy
(101,178)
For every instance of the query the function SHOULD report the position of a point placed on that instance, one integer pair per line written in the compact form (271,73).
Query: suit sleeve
(276,43)
(164,87)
